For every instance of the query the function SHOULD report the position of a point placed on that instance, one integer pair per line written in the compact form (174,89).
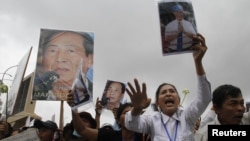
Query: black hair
(87,116)
(159,88)
(9,131)
(221,93)
(122,84)
(121,108)
(88,41)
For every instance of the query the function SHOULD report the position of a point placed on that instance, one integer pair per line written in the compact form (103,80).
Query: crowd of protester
(171,122)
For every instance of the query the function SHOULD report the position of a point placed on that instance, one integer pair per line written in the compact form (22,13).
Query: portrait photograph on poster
(177,26)
(79,89)
(113,94)
(58,58)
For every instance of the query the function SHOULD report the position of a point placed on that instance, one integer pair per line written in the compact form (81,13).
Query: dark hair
(87,116)
(9,131)
(88,42)
(122,84)
(159,88)
(222,92)
(121,108)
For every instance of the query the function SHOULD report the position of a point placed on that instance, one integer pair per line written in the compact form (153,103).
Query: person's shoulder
(186,21)
(151,116)
(154,115)
(172,23)
(246,118)
(203,130)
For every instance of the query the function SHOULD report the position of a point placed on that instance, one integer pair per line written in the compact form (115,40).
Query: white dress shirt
(202,133)
(186,118)
(172,28)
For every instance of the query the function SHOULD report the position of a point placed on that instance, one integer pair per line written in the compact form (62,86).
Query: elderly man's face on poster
(60,54)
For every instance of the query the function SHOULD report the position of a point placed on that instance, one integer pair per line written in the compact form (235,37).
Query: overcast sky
(127,42)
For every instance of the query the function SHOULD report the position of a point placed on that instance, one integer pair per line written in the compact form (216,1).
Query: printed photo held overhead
(113,94)
(177,26)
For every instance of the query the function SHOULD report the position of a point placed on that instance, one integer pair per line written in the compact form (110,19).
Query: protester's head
(121,111)
(178,11)
(114,93)
(88,119)
(167,98)
(5,129)
(67,131)
(46,129)
(63,51)
(228,104)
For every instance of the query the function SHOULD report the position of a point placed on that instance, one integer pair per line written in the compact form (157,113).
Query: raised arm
(79,125)
(203,97)
(138,97)
(98,111)
(199,51)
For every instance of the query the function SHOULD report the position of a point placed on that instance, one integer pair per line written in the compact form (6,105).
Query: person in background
(46,129)
(172,122)
(69,132)
(228,104)
(5,129)
(104,134)
(98,110)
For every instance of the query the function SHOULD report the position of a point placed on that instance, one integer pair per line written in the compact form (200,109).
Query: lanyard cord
(176,127)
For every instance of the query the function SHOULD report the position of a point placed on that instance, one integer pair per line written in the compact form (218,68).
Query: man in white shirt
(228,105)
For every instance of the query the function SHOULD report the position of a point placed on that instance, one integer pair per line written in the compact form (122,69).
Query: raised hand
(70,99)
(200,48)
(98,106)
(138,97)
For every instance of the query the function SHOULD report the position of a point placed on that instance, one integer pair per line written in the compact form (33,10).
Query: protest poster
(177,26)
(59,54)
(113,94)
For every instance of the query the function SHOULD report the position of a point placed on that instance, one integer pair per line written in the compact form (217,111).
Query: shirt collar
(175,116)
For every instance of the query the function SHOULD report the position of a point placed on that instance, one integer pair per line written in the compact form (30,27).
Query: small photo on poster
(113,94)
(177,26)
(80,91)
